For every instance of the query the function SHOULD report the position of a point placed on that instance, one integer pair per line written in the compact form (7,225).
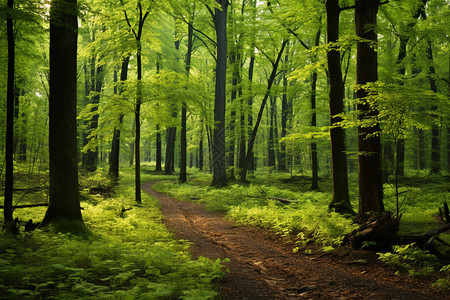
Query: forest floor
(263,266)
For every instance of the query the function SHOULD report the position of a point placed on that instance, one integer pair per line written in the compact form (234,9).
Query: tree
(251,142)
(340,200)
(369,145)
(220,23)
(137,33)
(115,144)
(64,202)
(9,138)
(183,154)
(314,160)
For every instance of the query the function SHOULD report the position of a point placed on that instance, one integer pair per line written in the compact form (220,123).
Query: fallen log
(26,205)
(282,200)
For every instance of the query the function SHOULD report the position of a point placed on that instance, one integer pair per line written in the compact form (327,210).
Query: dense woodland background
(351,95)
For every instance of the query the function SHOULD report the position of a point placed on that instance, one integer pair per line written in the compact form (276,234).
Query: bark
(270,144)
(284,113)
(369,146)
(435,136)
(158,149)
(251,158)
(64,201)
(231,124)
(314,160)
(200,151)
(340,200)
(90,158)
(137,121)
(243,175)
(219,153)
(158,132)
(115,144)
(183,145)
(169,166)
(9,141)
(448,129)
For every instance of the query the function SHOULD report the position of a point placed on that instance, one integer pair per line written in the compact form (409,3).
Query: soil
(263,266)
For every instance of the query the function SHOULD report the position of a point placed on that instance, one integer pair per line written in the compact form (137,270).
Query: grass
(133,255)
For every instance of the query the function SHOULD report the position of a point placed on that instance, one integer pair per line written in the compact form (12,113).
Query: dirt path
(262,266)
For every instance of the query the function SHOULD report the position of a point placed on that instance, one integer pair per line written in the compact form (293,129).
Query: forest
(225,149)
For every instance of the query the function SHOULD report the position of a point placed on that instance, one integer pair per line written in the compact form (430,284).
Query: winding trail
(262,266)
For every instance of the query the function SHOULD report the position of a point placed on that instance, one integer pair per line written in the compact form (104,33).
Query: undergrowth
(132,257)
(306,218)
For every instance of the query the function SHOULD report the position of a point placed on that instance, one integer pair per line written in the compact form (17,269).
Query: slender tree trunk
(158,132)
(270,144)
(64,201)
(369,145)
(448,128)
(219,153)
(137,121)
(284,112)
(314,159)
(251,158)
(115,145)
(183,154)
(435,136)
(340,200)
(9,142)
(200,150)
(251,142)
(158,149)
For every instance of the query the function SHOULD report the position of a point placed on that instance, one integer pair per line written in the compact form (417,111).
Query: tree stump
(379,233)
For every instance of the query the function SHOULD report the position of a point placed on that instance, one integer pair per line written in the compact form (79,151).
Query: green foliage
(443,283)
(133,256)
(306,219)
(411,259)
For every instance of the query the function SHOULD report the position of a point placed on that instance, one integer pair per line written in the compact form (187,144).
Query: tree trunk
(284,113)
(251,158)
(369,146)
(9,142)
(137,121)
(90,158)
(115,144)
(64,201)
(219,153)
(270,144)
(314,160)
(243,175)
(200,150)
(169,164)
(340,200)
(158,149)
(158,132)
(435,136)
(183,154)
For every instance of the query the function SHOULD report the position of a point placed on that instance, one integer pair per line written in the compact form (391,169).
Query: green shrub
(411,259)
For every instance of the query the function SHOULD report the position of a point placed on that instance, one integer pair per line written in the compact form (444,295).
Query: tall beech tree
(219,159)
(251,142)
(369,145)
(340,200)
(9,138)
(183,154)
(64,200)
(115,143)
(137,33)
